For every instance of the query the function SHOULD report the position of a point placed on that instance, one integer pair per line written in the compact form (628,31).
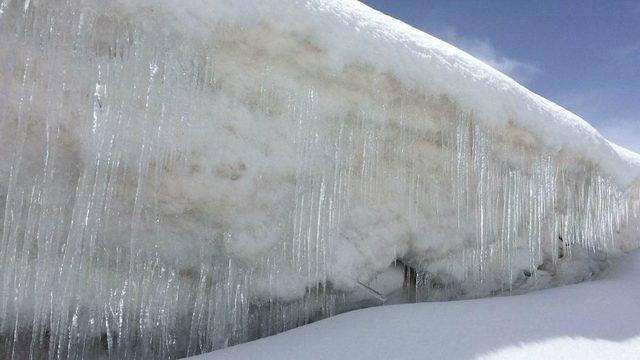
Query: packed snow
(349,32)
(182,176)
(592,320)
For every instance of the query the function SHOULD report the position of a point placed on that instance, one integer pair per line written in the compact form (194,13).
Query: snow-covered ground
(593,320)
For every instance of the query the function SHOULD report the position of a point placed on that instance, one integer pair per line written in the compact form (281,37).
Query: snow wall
(181,176)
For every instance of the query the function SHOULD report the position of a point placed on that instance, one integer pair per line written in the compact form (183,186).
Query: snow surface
(591,320)
(351,32)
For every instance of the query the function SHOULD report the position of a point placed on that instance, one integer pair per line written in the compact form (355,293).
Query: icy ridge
(177,177)
(351,32)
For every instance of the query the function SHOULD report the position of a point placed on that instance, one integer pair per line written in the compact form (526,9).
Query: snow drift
(180,176)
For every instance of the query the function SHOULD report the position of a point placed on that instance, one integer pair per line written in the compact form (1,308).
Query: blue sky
(581,54)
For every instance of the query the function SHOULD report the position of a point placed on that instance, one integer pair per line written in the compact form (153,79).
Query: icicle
(166,194)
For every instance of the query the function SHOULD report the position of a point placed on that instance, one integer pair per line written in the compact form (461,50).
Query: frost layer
(178,177)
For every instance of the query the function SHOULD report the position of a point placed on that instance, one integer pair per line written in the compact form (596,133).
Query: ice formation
(180,176)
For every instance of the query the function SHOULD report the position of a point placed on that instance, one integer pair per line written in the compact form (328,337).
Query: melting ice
(166,193)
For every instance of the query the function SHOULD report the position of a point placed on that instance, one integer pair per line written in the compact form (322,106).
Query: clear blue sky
(581,54)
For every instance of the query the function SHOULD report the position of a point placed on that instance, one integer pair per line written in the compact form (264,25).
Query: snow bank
(349,32)
(183,176)
(591,320)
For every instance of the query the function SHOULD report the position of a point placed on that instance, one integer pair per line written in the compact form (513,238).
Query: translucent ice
(177,177)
